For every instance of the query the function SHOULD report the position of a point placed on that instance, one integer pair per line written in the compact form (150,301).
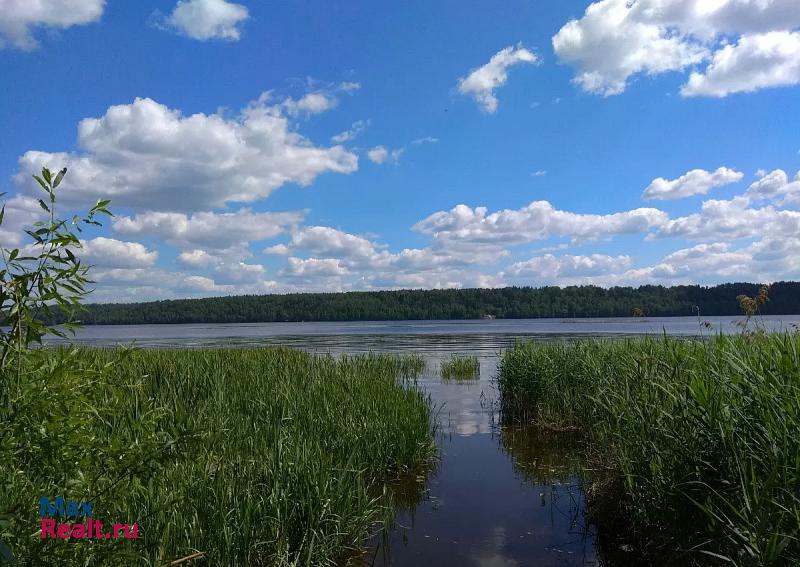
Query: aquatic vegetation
(266,456)
(697,439)
(232,457)
(460,368)
(411,365)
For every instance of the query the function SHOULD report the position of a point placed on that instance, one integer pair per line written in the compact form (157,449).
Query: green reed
(254,456)
(460,368)
(701,438)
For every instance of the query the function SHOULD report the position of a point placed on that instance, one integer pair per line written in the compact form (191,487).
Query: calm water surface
(500,496)
(487,336)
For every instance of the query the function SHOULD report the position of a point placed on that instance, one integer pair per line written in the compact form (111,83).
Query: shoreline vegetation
(454,304)
(244,456)
(694,446)
(254,456)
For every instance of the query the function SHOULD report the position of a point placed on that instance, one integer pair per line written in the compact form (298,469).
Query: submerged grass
(267,456)
(700,440)
(460,368)
(411,365)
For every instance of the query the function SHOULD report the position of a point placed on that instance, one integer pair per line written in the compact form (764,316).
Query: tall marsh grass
(264,456)
(460,368)
(701,438)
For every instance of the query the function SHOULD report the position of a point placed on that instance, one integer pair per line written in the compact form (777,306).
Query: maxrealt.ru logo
(83,526)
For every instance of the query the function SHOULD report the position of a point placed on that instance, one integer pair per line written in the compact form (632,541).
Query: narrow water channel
(500,496)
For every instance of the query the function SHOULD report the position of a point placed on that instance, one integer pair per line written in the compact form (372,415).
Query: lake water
(477,336)
(500,496)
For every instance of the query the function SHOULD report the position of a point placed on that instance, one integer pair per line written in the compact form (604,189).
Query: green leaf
(42,183)
(44,206)
(59,177)
(35,236)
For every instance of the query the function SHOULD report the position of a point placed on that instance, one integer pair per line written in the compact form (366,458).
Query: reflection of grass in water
(541,456)
(460,368)
(695,442)
(552,461)
(401,495)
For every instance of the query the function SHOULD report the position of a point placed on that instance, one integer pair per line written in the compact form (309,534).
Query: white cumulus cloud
(18,17)
(537,221)
(481,83)
(694,182)
(616,40)
(311,103)
(109,252)
(755,62)
(20,213)
(775,184)
(721,220)
(146,155)
(208,19)
(196,258)
(551,267)
(613,41)
(329,242)
(208,230)
(325,267)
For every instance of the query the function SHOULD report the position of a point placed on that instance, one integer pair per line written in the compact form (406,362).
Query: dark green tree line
(505,303)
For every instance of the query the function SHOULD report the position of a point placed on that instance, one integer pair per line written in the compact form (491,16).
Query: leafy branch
(43,276)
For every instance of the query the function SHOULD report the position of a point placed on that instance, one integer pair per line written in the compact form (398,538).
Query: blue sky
(270,147)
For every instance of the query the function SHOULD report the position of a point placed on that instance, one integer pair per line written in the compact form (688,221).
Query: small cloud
(278,249)
(481,83)
(207,19)
(195,258)
(311,103)
(539,173)
(379,155)
(348,135)
(320,98)
(694,182)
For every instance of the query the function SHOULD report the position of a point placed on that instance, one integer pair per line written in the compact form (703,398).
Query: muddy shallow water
(500,496)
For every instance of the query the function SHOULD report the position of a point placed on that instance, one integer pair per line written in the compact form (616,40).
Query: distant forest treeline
(506,303)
